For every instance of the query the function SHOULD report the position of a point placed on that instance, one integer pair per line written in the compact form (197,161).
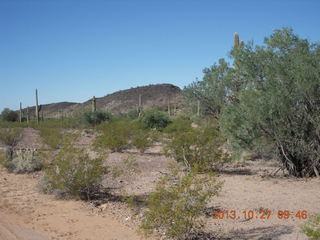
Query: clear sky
(73,49)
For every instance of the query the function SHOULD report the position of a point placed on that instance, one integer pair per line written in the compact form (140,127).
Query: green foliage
(270,94)
(115,135)
(9,115)
(154,119)
(212,91)
(141,140)
(312,228)
(177,204)
(10,136)
(73,174)
(24,161)
(97,117)
(199,148)
(133,114)
(51,136)
(178,125)
(280,101)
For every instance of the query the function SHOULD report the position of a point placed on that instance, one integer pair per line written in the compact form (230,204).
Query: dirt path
(27,214)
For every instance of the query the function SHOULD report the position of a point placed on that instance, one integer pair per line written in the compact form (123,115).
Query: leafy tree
(272,93)
(9,115)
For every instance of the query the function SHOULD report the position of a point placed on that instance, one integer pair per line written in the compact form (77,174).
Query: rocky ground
(27,214)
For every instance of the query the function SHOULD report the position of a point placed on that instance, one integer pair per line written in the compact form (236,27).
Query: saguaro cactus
(37,107)
(28,114)
(20,113)
(236,40)
(94,104)
(140,105)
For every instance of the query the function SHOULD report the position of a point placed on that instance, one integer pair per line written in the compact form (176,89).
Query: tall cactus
(236,40)
(94,104)
(37,107)
(28,114)
(140,105)
(20,113)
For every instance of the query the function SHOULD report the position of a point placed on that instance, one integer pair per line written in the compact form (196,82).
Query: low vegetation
(96,118)
(24,161)
(154,119)
(198,148)
(10,136)
(312,228)
(9,115)
(73,173)
(177,205)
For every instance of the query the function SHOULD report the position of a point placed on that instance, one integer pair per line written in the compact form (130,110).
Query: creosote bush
(312,228)
(198,148)
(115,135)
(10,136)
(154,119)
(51,136)
(97,117)
(73,173)
(178,125)
(177,205)
(141,139)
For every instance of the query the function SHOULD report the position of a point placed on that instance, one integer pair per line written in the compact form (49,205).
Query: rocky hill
(158,95)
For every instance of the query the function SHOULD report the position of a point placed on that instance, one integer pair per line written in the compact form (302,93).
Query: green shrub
(133,114)
(97,117)
(24,161)
(9,115)
(141,139)
(312,228)
(178,125)
(73,174)
(199,148)
(178,203)
(154,119)
(10,136)
(115,135)
(51,136)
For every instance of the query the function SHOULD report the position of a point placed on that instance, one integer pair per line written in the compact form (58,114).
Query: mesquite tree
(272,93)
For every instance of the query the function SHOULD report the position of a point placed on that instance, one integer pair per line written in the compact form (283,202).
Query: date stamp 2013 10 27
(258,214)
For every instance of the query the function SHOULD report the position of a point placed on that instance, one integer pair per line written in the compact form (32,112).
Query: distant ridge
(157,95)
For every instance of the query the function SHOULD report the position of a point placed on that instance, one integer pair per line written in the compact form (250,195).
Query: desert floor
(26,214)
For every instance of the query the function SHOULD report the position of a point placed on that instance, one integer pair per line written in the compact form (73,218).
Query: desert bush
(154,119)
(199,148)
(133,114)
(312,228)
(73,174)
(115,135)
(51,136)
(178,203)
(97,117)
(141,139)
(9,115)
(10,136)
(24,161)
(178,125)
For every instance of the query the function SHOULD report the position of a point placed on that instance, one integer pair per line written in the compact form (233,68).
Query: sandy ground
(27,214)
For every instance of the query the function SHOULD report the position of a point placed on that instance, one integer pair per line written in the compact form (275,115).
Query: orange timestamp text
(258,214)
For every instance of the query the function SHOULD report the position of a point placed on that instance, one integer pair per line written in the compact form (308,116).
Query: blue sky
(73,49)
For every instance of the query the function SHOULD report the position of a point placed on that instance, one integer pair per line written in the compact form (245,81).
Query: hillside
(125,100)
(158,95)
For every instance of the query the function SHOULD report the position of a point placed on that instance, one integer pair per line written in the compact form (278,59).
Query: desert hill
(158,95)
